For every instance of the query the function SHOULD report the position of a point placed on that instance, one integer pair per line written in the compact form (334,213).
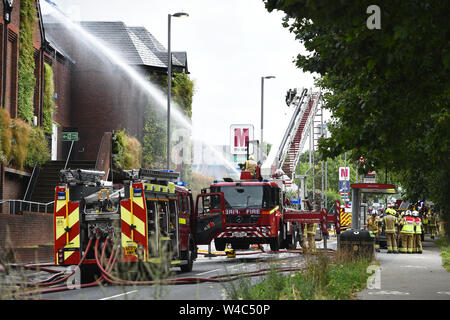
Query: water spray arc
(159,97)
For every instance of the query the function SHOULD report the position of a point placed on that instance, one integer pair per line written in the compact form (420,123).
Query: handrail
(32,182)
(12,209)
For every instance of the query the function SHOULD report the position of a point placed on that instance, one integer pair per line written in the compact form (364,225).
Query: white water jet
(160,98)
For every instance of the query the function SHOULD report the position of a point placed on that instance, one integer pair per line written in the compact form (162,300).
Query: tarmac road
(409,276)
(203,267)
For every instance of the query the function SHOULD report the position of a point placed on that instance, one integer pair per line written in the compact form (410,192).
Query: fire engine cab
(257,212)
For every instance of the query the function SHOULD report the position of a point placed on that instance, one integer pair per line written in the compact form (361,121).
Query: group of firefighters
(404,227)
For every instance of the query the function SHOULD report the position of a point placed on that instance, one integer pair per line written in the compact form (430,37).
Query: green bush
(49,105)
(127,151)
(26,79)
(321,279)
(38,151)
(21,144)
(5,136)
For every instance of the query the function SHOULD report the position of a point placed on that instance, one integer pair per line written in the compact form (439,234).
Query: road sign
(344,173)
(370,177)
(70,136)
(344,187)
(240,134)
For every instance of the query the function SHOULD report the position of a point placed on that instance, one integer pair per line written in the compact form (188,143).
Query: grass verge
(322,279)
(444,245)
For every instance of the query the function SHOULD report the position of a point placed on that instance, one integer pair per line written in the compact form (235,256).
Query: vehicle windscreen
(247,197)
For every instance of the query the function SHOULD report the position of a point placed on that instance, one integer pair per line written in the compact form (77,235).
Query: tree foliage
(388,89)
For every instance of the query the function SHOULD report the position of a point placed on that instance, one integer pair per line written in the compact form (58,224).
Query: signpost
(370,177)
(240,134)
(69,136)
(344,182)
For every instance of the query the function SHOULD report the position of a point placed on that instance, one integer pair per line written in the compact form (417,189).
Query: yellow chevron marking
(60,204)
(73,217)
(75,243)
(67,254)
(60,225)
(139,201)
(127,242)
(126,217)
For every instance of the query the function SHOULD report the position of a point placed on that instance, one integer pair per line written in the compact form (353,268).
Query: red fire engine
(149,217)
(257,210)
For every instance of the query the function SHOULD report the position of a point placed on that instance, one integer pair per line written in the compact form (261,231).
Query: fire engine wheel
(189,255)
(275,243)
(293,239)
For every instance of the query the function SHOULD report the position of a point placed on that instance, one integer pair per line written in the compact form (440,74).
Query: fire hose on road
(107,278)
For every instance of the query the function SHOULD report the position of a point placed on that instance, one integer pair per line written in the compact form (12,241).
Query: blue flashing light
(265,180)
(215,181)
(181,183)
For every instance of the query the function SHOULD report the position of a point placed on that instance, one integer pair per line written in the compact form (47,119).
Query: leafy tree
(388,89)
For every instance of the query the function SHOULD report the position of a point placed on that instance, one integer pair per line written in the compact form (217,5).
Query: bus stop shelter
(358,189)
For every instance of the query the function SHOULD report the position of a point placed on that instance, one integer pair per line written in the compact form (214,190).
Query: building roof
(178,58)
(135,45)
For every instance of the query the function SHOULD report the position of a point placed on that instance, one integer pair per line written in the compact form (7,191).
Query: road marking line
(399,293)
(119,295)
(199,274)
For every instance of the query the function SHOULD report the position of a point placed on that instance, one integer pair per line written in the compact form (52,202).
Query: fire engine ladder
(297,132)
(318,167)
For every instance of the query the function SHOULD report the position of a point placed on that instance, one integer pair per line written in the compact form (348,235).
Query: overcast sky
(230,45)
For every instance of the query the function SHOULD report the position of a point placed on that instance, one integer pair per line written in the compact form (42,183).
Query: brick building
(12,180)
(92,94)
(105,96)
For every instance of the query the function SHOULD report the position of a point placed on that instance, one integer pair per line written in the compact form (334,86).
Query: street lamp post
(262,116)
(169,79)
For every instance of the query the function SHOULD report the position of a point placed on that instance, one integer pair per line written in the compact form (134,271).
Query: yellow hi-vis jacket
(250,165)
(408,225)
(372,224)
(432,221)
(418,223)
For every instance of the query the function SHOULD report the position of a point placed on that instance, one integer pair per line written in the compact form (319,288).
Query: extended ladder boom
(287,155)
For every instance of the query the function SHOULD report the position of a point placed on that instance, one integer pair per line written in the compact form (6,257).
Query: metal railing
(16,206)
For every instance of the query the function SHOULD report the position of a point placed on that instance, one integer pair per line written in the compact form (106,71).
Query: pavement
(408,276)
